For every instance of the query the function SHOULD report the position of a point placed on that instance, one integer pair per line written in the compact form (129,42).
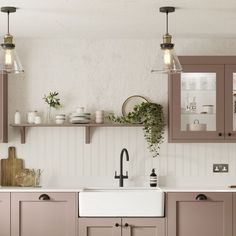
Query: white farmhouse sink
(121,202)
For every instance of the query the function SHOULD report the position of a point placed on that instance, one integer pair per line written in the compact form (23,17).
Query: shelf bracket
(22,134)
(87,135)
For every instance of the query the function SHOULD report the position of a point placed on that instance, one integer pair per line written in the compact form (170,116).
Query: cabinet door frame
(230,134)
(85,223)
(18,198)
(175,133)
(174,198)
(158,223)
(5,215)
(234,214)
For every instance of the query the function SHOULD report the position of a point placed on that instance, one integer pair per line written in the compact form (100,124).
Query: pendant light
(168,62)
(9,61)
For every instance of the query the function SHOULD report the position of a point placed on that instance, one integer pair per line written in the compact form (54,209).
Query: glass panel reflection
(198,101)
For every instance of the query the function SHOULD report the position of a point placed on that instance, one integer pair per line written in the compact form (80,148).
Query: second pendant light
(9,60)
(168,61)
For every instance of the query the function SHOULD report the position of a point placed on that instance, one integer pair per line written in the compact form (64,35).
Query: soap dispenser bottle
(153,178)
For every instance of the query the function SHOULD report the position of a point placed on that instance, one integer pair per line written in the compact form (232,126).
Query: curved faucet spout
(121,177)
(124,150)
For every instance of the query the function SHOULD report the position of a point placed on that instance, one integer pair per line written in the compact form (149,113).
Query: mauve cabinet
(99,227)
(234,214)
(121,227)
(202,100)
(48,214)
(199,214)
(5,214)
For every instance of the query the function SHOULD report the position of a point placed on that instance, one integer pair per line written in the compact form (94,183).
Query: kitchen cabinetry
(121,226)
(5,214)
(205,214)
(50,214)
(3,108)
(234,214)
(202,100)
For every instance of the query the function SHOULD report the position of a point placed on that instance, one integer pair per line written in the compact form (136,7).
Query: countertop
(198,189)
(80,189)
(39,189)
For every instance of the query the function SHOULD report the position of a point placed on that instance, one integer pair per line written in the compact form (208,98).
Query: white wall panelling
(101,74)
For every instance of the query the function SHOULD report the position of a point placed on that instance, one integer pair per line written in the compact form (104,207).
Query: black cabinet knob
(44,197)
(117,225)
(229,134)
(220,134)
(201,197)
(126,224)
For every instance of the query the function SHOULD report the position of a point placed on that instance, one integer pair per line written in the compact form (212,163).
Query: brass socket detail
(8,42)
(167,39)
(8,39)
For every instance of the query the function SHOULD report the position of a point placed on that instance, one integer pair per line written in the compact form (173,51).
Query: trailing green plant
(52,100)
(151,115)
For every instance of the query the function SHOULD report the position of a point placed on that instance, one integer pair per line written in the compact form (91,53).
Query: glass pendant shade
(167,62)
(9,61)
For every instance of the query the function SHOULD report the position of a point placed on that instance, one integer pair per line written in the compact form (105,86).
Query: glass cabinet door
(197,103)
(230,101)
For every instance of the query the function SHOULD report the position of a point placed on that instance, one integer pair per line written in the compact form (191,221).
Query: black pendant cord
(167,28)
(8,24)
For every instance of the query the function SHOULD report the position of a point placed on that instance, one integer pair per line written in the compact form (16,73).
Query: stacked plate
(80,118)
(60,119)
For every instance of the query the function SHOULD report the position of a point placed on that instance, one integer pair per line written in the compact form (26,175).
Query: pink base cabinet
(5,214)
(200,214)
(38,214)
(121,227)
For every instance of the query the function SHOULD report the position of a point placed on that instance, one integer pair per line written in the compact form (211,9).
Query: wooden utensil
(9,168)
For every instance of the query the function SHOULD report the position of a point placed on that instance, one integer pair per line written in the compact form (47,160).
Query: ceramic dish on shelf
(79,114)
(79,121)
(79,118)
(131,102)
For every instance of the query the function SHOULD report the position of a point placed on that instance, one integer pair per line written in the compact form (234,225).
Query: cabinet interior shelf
(87,128)
(198,114)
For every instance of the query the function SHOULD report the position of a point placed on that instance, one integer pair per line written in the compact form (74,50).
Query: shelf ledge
(87,127)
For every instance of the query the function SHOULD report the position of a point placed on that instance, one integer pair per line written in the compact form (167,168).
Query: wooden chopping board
(9,168)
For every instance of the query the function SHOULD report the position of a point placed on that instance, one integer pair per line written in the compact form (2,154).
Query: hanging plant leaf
(152,116)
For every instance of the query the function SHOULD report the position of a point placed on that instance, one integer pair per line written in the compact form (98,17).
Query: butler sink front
(121,202)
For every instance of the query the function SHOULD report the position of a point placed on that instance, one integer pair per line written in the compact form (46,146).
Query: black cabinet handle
(126,224)
(117,225)
(44,197)
(229,134)
(201,197)
(220,134)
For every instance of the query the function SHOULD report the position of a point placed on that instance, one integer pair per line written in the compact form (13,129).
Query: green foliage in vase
(52,100)
(151,115)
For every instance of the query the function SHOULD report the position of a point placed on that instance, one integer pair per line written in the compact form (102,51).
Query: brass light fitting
(167,37)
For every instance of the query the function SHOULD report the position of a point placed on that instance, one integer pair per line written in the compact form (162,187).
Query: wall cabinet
(202,100)
(205,214)
(121,226)
(3,108)
(234,214)
(5,214)
(50,214)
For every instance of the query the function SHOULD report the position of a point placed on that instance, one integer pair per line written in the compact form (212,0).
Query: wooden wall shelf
(87,128)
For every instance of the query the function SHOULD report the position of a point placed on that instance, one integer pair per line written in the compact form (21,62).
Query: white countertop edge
(81,189)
